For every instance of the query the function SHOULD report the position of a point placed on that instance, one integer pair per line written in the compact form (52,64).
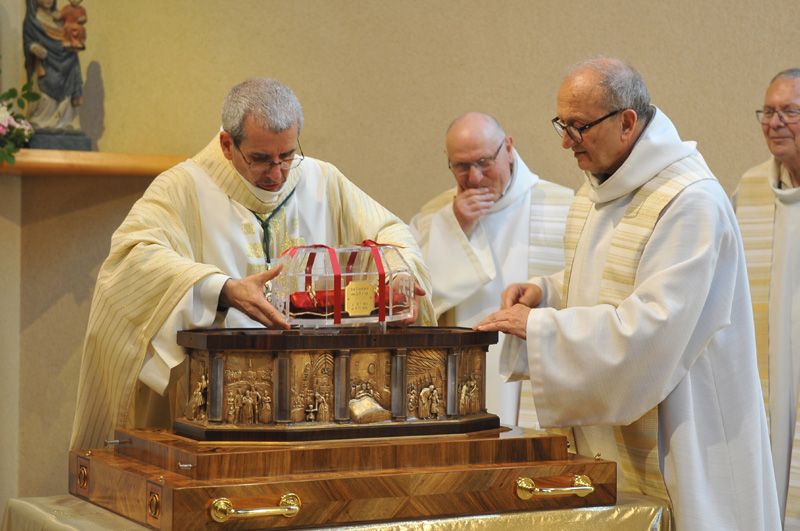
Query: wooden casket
(336,426)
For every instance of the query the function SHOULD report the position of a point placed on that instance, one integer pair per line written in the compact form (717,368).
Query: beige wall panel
(10,239)
(66,230)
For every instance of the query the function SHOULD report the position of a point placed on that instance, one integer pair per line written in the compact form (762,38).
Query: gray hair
(623,86)
(788,73)
(272,105)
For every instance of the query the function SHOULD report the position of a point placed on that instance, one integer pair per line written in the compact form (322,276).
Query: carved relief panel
(311,388)
(370,386)
(471,382)
(243,393)
(426,384)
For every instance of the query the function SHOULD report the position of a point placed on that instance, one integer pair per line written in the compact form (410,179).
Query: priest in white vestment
(645,344)
(194,251)
(768,208)
(500,224)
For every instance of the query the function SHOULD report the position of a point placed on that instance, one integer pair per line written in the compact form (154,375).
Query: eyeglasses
(261,163)
(483,164)
(576,133)
(787,116)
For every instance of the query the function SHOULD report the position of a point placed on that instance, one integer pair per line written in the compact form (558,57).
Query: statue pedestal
(71,140)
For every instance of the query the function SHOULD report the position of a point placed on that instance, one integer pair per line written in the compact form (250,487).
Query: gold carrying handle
(527,489)
(222,509)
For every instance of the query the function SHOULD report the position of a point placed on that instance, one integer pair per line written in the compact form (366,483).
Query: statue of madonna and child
(51,41)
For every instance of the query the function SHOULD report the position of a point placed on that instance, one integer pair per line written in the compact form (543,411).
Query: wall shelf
(55,162)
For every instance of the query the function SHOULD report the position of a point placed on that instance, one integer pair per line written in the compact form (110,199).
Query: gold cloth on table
(632,512)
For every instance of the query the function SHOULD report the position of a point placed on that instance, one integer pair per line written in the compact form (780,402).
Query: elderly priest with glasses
(195,251)
(645,343)
(500,224)
(768,208)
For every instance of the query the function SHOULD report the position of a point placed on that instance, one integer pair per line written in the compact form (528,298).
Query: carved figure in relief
(469,396)
(237,406)
(311,413)
(257,404)
(230,413)
(363,389)
(434,403)
(412,401)
(463,399)
(474,396)
(247,408)
(266,410)
(323,414)
(197,403)
(425,402)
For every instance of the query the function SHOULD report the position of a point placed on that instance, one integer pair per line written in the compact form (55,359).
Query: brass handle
(83,477)
(581,486)
(222,509)
(154,505)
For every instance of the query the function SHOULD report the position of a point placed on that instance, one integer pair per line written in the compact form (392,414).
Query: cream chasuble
(681,340)
(195,226)
(768,209)
(520,237)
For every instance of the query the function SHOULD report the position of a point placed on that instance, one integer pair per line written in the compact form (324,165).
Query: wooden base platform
(170,482)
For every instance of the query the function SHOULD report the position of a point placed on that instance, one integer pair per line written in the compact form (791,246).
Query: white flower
(5,115)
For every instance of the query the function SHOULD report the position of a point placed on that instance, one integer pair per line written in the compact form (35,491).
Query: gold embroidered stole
(549,208)
(637,443)
(550,204)
(755,211)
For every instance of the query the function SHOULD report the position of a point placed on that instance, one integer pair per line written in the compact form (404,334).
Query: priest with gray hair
(768,208)
(644,344)
(195,251)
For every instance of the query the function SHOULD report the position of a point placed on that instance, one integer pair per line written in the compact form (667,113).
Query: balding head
(479,152)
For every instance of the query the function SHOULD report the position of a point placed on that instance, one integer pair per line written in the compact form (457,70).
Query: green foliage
(15,131)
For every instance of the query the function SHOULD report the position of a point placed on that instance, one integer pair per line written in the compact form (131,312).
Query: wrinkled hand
(528,294)
(513,320)
(247,296)
(470,205)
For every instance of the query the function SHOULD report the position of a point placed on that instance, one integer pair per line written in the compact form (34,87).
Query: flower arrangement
(15,131)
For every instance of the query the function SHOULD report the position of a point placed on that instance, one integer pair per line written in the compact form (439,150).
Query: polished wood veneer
(338,482)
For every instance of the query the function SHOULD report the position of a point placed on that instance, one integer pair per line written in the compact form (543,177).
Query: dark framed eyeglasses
(787,116)
(576,133)
(265,164)
(483,164)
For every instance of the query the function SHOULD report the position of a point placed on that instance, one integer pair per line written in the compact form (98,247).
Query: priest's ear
(509,145)
(226,143)
(630,121)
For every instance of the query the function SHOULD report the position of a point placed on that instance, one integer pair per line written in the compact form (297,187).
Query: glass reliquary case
(321,286)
